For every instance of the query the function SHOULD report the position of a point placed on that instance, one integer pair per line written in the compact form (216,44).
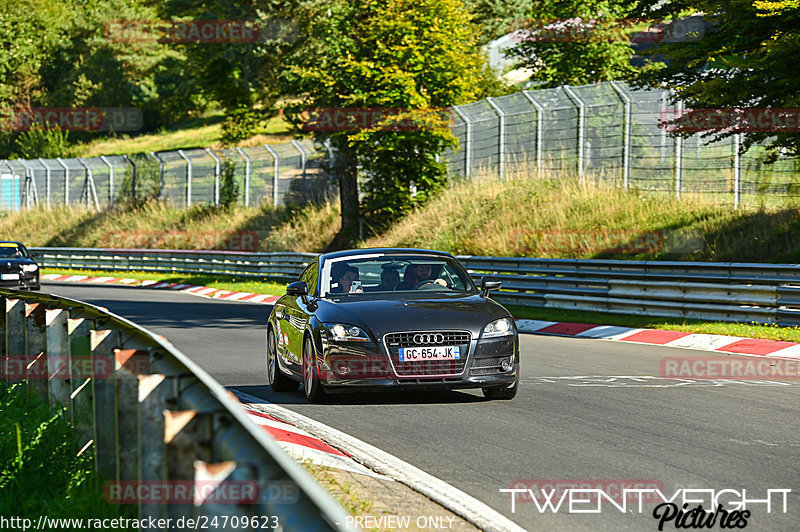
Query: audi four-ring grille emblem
(428,338)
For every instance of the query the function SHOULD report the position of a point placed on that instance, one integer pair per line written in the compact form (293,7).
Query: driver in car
(416,274)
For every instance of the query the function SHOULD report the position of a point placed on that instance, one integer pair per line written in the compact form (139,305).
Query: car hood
(14,262)
(435,312)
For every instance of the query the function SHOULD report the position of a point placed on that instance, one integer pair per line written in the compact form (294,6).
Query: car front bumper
(361,365)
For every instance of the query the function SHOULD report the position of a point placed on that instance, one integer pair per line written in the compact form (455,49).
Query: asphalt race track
(587,410)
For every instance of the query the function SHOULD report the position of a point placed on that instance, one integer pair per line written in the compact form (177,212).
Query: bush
(240,124)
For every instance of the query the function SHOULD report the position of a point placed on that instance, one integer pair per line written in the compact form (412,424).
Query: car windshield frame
(7,250)
(326,282)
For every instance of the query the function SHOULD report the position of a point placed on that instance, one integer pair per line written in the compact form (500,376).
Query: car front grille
(433,368)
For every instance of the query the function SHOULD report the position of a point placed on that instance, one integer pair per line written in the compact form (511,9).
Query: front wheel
(504,392)
(277,380)
(311,384)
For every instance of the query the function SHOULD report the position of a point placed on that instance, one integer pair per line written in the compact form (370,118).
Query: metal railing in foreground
(763,293)
(164,434)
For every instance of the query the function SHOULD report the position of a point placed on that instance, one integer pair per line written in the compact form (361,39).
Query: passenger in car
(343,276)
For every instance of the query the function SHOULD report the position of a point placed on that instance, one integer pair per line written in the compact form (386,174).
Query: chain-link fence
(605,131)
(610,132)
(291,173)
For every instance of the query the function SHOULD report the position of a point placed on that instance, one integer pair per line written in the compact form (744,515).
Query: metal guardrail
(280,265)
(764,293)
(153,419)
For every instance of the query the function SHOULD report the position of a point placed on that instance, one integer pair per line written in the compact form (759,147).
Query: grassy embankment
(514,217)
(40,472)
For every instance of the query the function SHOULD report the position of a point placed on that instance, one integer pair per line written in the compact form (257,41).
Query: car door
(297,314)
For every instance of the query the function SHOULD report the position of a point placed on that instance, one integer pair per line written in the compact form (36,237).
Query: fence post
(303,159)
(626,133)
(679,158)
(160,173)
(188,177)
(91,192)
(217,167)
(581,106)
(539,130)
(133,175)
(467,140)
(275,175)
(737,170)
(47,176)
(246,158)
(30,184)
(66,180)
(110,180)
(501,144)
(664,98)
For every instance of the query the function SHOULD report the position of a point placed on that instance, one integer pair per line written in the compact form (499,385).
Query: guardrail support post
(155,391)
(36,351)
(187,436)
(15,341)
(128,365)
(103,344)
(58,360)
(81,383)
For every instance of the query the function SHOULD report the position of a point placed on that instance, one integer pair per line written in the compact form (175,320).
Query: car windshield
(10,250)
(389,274)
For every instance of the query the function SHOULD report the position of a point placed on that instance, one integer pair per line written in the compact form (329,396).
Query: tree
(413,56)
(496,18)
(745,58)
(576,43)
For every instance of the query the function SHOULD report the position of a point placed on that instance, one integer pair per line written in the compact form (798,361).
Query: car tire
(312,386)
(502,392)
(277,380)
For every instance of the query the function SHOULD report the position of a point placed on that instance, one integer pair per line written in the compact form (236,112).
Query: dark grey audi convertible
(377,318)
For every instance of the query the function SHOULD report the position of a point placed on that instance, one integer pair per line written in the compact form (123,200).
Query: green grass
(746,330)
(234,284)
(40,473)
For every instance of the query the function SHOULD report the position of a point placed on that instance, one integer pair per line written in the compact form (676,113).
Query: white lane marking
(457,501)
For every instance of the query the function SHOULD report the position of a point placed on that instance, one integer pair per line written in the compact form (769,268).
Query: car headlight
(501,327)
(341,332)
(29,268)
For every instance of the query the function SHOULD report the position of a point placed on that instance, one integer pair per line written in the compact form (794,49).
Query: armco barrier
(153,419)
(764,293)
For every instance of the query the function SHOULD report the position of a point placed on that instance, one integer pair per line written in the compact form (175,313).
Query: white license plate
(440,352)
(9,276)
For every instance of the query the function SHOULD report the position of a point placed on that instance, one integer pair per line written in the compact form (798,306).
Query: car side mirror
(33,255)
(487,285)
(298,288)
